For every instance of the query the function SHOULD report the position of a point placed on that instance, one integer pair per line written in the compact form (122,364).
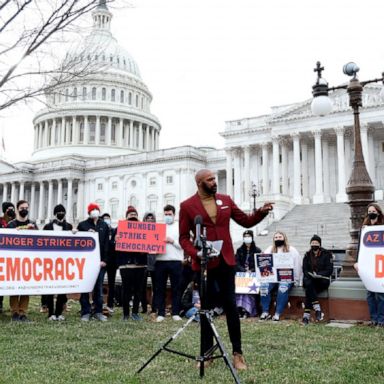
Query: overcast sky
(209,61)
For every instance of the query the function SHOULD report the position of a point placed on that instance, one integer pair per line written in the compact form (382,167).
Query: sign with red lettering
(136,236)
(47,262)
(371,258)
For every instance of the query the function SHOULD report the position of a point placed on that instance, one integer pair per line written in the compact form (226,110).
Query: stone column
(318,198)
(275,166)
(32,205)
(131,135)
(50,199)
(371,156)
(141,135)
(157,140)
(97,130)
(62,131)
(46,134)
(147,147)
(229,179)
(5,192)
(75,131)
(364,143)
(69,200)
(53,130)
(21,191)
(153,139)
(41,202)
(13,192)
(341,196)
(86,130)
(60,191)
(247,175)
(284,166)
(265,169)
(237,166)
(120,133)
(325,159)
(304,171)
(108,133)
(35,137)
(296,169)
(80,200)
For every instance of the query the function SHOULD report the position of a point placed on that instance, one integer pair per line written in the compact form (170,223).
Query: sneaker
(100,317)
(239,362)
(218,311)
(24,319)
(305,320)
(265,316)
(319,316)
(276,317)
(136,317)
(60,318)
(52,318)
(159,319)
(176,318)
(15,317)
(86,317)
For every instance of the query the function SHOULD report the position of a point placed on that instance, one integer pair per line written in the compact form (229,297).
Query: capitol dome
(102,110)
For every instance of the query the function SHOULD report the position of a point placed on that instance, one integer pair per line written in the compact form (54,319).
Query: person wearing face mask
(169,264)
(317,270)
(375,300)
(132,266)
(19,304)
(57,224)
(245,262)
(95,224)
(280,245)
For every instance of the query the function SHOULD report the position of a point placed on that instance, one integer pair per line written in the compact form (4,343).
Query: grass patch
(284,352)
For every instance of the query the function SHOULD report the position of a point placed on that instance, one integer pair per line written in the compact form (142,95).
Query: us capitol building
(97,141)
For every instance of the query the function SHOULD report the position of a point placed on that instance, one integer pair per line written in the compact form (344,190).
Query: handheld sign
(274,267)
(246,282)
(47,262)
(136,236)
(371,258)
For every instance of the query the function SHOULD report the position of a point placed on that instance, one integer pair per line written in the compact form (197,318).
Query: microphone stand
(207,327)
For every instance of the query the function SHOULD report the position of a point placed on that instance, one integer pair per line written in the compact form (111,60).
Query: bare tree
(31,32)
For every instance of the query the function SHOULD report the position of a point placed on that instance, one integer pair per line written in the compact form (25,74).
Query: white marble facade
(97,141)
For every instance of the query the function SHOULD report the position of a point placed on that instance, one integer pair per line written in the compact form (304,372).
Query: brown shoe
(239,362)
(207,364)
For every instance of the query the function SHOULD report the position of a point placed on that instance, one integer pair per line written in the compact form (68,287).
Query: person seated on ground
(317,270)
(190,301)
(245,262)
(280,245)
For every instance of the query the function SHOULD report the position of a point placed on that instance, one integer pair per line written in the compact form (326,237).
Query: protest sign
(371,258)
(246,282)
(274,267)
(136,236)
(47,262)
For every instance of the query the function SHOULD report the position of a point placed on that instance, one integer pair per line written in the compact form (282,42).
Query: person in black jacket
(317,270)
(57,224)
(95,224)
(245,262)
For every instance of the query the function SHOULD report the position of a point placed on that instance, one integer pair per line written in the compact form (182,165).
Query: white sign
(246,282)
(274,267)
(371,258)
(47,262)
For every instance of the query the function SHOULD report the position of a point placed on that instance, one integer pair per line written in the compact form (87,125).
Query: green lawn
(285,352)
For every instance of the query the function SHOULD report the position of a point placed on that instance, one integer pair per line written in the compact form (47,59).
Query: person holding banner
(19,304)
(95,224)
(317,270)
(245,262)
(280,245)
(375,300)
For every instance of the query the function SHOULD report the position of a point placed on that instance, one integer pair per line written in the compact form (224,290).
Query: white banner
(274,267)
(371,258)
(47,262)
(246,282)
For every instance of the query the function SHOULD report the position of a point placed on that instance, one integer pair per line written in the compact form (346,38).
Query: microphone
(198,222)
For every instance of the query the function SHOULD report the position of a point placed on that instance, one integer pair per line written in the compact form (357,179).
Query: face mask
(60,216)
(315,248)
(373,215)
(23,213)
(95,213)
(108,222)
(247,240)
(168,219)
(279,243)
(11,214)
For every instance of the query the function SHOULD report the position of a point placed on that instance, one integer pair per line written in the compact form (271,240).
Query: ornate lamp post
(254,192)
(360,189)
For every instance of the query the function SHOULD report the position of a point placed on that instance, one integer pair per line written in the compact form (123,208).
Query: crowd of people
(180,264)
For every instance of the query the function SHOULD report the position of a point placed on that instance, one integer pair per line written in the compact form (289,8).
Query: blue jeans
(97,296)
(376,306)
(191,312)
(281,299)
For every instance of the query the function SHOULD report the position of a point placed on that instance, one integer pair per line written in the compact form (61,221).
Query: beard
(209,190)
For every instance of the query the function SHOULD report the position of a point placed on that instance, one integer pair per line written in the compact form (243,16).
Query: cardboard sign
(246,283)
(274,267)
(371,258)
(47,262)
(136,236)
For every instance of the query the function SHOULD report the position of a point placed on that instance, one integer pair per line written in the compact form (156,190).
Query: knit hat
(92,206)
(316,238)
(6,205)
(248,232)
(149,214)
(59,208)
(130,209)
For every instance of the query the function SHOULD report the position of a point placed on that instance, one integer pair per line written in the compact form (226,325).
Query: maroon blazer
(226,210)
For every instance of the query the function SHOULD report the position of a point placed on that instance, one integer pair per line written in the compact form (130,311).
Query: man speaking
(216,211)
